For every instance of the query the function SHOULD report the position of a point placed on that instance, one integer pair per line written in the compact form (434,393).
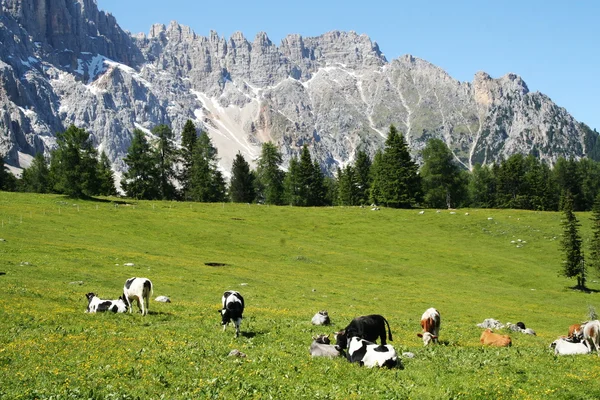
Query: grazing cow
(320,347)
(575,332)
(138,289)
(369,327)
(591,334)
(95,304)
(430,322)
(564,347)
(493,339)
(370,354)
(233,308)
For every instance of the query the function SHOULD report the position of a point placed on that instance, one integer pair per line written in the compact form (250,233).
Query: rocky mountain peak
(65,62)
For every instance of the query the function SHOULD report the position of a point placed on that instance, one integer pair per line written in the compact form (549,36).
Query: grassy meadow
(288,263)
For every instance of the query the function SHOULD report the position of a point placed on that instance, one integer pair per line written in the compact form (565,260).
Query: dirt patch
(215,264)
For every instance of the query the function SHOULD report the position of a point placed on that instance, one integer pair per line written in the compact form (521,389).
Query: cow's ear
(419,334)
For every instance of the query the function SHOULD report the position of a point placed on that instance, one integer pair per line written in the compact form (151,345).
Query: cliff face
(64,62)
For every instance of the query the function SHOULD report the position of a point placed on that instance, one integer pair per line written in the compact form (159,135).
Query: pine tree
(574,263)
(595,242)
(106,177)
(443,183)
(482,187)
(141,180)
(291,183)
(73,164)
(269,175)
(36,178)
(397,181)
(166,157)
(318,190)
(241,187)
(189,137)
(206,180)
(349,193)
(362,172)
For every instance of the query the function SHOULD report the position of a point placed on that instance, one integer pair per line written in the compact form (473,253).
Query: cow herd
(357,341)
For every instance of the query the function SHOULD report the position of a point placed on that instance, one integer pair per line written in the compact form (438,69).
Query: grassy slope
(295,261)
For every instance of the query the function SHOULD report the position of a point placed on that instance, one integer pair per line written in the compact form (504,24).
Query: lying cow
(489,338)
(233,308)
(95,304)
(591,334)
(321,318)
(430,322)
(370,354)
(369,327)
(138,289)
(564,347)
(321,347)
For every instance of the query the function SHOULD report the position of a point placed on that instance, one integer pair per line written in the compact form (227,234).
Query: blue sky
(553,45)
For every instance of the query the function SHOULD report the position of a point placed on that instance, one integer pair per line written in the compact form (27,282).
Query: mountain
(65,62)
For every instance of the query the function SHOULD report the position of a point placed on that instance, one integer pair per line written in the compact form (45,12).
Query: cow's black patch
(390,363)
(358,354)
(147,285)
(520,325)
(215,264)
(114,308)
(128,282)
(104,306)
(381,349)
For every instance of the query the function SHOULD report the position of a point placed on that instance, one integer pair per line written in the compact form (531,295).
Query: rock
(236,353)
(128,264)
(163,299)
(76,283)
(408,354)
(491,324)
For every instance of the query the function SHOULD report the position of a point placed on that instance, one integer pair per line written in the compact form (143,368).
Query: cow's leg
(238,322)
(147,298)
(140,303)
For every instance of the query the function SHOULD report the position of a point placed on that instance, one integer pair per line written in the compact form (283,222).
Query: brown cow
(430,322)
(493,339)
(575,331)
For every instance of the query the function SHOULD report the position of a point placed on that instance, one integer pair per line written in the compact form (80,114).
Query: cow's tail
(389,330)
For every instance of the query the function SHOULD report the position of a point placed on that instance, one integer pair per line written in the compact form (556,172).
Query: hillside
(288,263)
(65,62)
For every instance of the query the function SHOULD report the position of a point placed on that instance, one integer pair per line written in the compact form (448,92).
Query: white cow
(371,354)
(563,347)
(140,290)
(95,304)
(430,322)
(591,334)
(321,347)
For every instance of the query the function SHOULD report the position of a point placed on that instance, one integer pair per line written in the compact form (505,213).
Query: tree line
(158,169)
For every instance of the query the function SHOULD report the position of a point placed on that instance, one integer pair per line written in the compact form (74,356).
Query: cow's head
(324,313)
(341,339)
(323,339)
(90,296)
(427,337)
(225,318)
(122,298)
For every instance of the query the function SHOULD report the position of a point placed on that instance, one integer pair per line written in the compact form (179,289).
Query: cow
(321,347)
(493,339)
(95,304)
(575,332)
(140,290)
(233,308)
(591,334)
(369,327)
(370,354)
(430,322)
(564,347)
(321,318)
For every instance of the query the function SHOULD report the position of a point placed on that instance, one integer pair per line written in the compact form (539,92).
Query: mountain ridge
(335,92)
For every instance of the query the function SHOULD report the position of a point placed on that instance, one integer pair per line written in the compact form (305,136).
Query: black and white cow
(233,308)
(95,304)
(139,289)
(321,318)
(320,347)
(370,354)
(369,327)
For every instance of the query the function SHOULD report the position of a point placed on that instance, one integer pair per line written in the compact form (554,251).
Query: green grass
(293,262)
